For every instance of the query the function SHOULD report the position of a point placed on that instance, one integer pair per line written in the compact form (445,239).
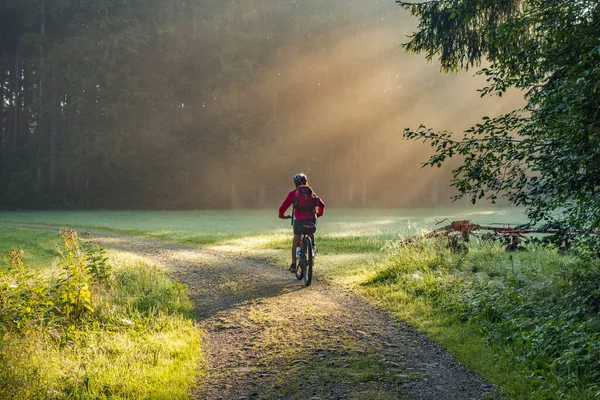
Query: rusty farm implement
(458,233)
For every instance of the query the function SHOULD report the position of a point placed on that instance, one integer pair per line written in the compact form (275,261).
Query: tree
(179,104)
(546,155)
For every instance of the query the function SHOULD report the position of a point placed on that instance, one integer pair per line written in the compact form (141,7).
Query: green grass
(140,341)
(524,320)
(40,245)
(215,227)
(527,321)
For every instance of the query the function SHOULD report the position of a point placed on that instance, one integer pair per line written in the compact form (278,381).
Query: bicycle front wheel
(308,256)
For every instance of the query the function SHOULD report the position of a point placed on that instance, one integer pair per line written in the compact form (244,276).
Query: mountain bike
(305,256)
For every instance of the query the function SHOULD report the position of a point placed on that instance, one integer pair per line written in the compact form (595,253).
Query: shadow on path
(217,280)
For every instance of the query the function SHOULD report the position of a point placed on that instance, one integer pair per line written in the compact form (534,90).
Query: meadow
(212,227)
(81,323)
(527,321)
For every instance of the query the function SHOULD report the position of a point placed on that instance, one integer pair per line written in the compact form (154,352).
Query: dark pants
(298,224)
(297,231)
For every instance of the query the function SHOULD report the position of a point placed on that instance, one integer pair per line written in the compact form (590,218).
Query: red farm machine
(459,233)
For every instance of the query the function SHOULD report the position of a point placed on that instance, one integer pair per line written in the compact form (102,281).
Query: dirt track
(268,337)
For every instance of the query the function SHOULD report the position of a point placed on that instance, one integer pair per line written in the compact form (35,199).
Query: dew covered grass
(217,227)
(40,245)
(527,321)
(139,339)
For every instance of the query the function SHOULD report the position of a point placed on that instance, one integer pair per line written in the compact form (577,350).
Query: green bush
(28,301)
(93,332)
(25,301)
(538,308)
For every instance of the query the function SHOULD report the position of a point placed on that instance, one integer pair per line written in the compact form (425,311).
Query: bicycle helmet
(300,179)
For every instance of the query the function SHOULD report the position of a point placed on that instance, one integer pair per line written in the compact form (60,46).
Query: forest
(149,104)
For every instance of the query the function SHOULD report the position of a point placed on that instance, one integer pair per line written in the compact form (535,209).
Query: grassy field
(506,315)
(40,245)
(348,240)
(527,321)
(135,336)
(212,227)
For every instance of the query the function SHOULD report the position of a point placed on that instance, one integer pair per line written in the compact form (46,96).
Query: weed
(93,331)
(542,324)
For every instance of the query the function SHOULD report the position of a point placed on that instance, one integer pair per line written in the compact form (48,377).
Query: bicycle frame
(305,258)
(305,261)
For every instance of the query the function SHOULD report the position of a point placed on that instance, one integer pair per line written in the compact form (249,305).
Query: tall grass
(529,321)
(136,340)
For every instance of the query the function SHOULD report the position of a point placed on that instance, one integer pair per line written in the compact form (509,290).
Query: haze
(235,97)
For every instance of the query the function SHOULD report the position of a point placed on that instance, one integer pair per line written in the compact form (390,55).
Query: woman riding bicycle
(307,207)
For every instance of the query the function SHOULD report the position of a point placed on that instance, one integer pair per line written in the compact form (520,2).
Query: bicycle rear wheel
(308,256)
(300,270)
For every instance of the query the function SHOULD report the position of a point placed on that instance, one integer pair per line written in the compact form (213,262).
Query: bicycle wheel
(308,256)
(300,270)
(301,266)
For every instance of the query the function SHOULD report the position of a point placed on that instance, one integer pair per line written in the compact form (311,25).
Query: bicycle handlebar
(290,217)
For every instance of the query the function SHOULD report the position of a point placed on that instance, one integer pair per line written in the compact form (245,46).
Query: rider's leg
(312,239)
(295,243)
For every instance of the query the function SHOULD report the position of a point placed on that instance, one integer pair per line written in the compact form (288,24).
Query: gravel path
(268,337)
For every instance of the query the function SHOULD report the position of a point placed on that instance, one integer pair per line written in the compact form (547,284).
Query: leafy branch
(546,155)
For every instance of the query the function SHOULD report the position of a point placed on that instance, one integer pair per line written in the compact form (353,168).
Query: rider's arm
(286,204)
(320,208)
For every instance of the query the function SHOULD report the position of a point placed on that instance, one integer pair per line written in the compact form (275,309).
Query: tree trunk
(87,190)
(40,69)
(17,100)
(234,196)
(53,132)
(2,137)
(350,187)
(262,195)
(26,103)
(9,129)
(69,172)
(435,193)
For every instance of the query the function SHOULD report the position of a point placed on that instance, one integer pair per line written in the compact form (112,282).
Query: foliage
(29,302)
(561,349)
(89,256)
(109,90)
(24,302)
(94,331)
(545,155)
(73,294)
(536,311)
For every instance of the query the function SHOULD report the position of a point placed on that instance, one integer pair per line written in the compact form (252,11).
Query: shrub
(27,300)
(136,343)
(539,309)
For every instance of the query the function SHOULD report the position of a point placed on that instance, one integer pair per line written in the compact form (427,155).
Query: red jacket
(289,200)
